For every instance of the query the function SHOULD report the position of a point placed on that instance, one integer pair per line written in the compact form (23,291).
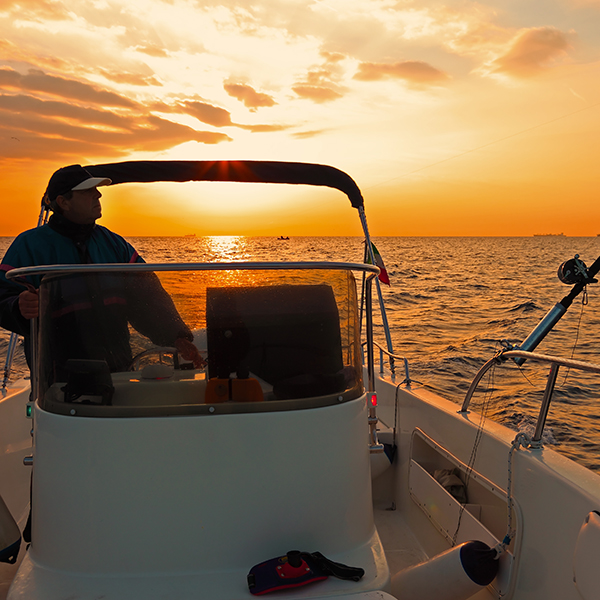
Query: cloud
(209,114)
(333,57)
(250,97)
(130,78)
(88,34)
(302,135)
(218,117)
(322,83)
(81,105)
(155,51)
(43,115)
(19,53)
(531,51)
(413,71)
(316,93)
(38,81)
(39,137)
(22,104)
(263,128)
(131,72)
(48,10)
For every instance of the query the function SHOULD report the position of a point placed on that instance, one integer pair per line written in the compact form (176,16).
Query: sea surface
(450,304)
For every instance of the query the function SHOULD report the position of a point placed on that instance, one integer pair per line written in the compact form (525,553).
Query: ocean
(450,304)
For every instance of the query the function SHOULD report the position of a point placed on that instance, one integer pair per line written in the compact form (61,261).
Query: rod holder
(541,331)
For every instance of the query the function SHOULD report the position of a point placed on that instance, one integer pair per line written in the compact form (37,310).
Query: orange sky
(454,118)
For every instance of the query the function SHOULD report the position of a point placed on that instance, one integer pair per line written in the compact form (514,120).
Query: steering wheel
(160,350)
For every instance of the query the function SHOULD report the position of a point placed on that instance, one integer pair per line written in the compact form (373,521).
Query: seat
(287,335)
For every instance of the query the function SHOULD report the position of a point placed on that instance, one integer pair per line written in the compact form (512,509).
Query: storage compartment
(483,517)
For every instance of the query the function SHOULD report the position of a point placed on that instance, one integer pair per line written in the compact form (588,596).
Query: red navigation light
(373,398)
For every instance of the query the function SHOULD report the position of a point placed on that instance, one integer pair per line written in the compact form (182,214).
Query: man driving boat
(102,304)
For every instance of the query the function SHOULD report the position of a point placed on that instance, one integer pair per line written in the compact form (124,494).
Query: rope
(522,440)
(584,303)
(478,436)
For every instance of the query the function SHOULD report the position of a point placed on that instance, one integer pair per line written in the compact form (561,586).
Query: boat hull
(552,495)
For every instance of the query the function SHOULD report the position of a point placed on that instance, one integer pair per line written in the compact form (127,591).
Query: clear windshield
(271,339)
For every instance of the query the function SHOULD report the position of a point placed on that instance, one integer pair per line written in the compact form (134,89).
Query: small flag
(383,274)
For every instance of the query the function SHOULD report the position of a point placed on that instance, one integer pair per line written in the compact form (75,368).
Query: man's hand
(29,304)
(188,351)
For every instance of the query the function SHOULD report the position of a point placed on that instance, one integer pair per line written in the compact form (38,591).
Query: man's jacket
(87,316)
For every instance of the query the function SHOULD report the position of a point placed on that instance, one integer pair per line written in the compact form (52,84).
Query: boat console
(145,465)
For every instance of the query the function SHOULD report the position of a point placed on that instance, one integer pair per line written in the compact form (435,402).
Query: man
(93,312)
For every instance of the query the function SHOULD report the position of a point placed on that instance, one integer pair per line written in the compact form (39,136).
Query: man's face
(84,206)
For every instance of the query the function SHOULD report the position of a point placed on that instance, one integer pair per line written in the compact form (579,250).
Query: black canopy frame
(147,171)
(243,171)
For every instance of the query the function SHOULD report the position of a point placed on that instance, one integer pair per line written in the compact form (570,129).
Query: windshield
(135,343)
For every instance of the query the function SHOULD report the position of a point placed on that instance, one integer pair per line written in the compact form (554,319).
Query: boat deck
(401,546)
(402,549)
(7,572)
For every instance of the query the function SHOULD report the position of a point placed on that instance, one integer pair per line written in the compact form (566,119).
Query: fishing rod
(572,272)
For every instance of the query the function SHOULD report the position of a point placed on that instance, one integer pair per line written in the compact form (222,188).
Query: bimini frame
(234,171)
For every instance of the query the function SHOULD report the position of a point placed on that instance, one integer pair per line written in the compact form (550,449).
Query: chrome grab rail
(392,357)
(10,353)
(216,266)
(555,363)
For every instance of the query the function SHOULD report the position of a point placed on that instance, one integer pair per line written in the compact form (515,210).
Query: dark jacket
(87,316)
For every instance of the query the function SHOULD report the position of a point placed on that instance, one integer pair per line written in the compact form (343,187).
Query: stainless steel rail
(10,352)
(555,363)
(392,359)
(216,266)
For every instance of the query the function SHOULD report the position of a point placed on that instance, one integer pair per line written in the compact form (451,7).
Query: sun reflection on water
(225,248)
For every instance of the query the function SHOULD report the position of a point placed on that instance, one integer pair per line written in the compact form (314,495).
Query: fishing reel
(574,271)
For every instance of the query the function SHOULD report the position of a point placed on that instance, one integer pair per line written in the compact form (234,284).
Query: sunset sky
(454,117)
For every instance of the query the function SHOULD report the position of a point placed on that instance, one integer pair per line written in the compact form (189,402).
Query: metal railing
(216,266)
(555,364)
(10,353)
(392,361)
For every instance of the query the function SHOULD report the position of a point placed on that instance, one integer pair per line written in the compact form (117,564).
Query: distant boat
(190,235)
(281,237)
(549,235)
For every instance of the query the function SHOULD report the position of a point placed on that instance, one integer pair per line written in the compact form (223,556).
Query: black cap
(72,178)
